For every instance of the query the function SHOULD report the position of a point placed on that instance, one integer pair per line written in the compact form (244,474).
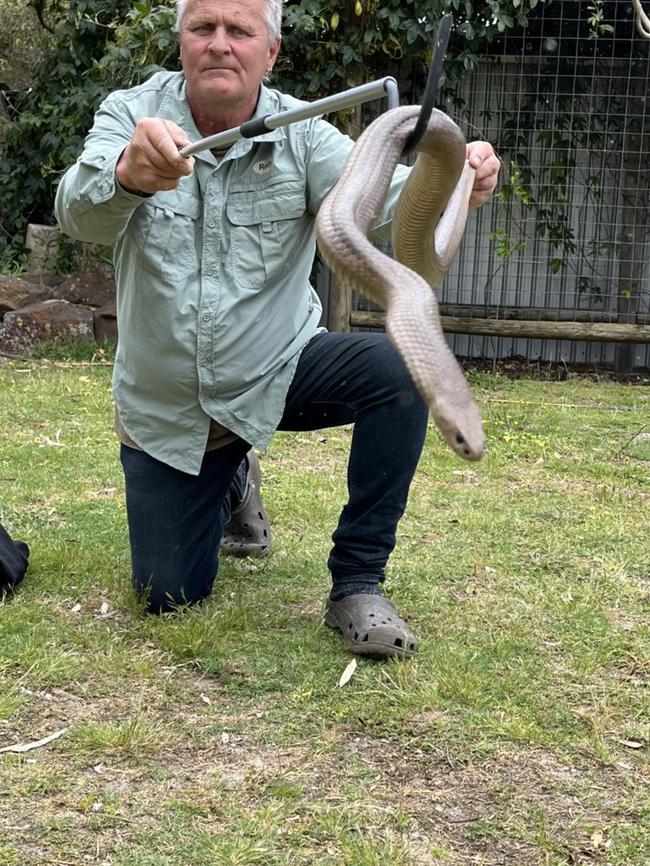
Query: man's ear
(274,51)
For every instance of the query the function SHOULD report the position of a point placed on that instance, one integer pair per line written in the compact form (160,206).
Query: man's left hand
(482,158)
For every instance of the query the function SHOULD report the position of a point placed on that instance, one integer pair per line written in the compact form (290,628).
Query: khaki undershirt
(218,436)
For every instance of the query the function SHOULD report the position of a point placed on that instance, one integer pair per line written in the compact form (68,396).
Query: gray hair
(273,17)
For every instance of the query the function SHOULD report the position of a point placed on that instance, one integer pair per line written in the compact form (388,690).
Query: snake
(427,228)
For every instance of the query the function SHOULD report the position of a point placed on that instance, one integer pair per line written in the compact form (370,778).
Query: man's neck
(211,122)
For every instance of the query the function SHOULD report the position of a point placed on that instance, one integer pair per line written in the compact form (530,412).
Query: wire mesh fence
(566,239)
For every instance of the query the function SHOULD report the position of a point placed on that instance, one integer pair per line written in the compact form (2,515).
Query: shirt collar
(174,106)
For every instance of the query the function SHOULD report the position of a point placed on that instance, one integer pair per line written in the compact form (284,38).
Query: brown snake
(427,228)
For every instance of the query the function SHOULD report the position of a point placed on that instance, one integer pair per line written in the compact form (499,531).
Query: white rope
(642,20)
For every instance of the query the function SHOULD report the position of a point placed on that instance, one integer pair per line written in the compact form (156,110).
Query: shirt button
(211,224)
(206,317)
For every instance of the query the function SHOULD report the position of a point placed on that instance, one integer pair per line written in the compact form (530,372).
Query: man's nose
(219,43)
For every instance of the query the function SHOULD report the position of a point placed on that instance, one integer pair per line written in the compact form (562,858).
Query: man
(219,339)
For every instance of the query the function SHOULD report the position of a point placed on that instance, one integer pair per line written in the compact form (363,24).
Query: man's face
(225,53)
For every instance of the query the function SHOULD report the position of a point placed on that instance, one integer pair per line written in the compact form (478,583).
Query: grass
(518,735)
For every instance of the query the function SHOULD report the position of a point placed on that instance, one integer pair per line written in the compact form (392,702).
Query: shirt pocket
(169,227)
(264,230)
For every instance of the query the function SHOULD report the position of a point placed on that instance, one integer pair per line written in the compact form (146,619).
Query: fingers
(482,158)
(151,162)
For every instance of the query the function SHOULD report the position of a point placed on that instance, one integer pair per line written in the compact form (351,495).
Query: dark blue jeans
(176,520)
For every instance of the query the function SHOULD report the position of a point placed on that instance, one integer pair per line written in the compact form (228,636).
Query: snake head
(468,449)
(462,427)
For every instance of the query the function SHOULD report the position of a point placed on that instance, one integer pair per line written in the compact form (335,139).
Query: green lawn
(520,734)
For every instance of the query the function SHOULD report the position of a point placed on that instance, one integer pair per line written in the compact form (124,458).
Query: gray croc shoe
(249,530)
(371,626)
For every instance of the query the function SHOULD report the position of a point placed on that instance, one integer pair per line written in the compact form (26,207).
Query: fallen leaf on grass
(631,744)
(27,747)
(347,674)
(599,840)
(46,442)
(105,612)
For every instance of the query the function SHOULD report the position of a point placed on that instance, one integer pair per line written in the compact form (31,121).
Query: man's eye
(238,31)
(202,28)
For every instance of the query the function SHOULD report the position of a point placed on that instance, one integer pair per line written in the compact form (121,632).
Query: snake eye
(460,438)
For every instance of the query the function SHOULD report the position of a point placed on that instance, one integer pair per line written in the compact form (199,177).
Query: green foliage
(142,44)
(22,39)
(597,25)
(53,117)
(345,42)
(97,49)
(94,50)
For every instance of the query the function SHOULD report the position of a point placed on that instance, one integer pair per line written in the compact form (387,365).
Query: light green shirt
(213,295)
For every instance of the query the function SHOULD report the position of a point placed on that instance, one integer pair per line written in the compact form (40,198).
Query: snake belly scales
(428,226)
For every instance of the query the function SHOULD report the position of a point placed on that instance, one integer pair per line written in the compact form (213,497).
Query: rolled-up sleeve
(90,205)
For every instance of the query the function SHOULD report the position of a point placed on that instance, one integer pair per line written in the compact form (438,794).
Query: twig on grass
(19,748)
(630,440)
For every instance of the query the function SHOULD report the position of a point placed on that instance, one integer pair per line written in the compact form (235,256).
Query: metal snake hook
(432,86)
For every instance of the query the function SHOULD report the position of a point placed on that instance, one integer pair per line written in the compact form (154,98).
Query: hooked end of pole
(432,86)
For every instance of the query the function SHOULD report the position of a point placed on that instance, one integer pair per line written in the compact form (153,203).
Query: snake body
(427,228)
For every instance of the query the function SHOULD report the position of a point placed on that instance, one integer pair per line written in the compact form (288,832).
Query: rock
(14,293)
(41,322)
(41,279)
(106,323)
(94,286)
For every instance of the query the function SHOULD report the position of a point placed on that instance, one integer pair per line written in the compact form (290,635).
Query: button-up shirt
(213,294)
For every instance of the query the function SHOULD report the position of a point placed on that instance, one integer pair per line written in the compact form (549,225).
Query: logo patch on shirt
(262,166)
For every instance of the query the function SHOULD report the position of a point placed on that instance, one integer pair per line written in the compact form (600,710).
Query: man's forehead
(234,8)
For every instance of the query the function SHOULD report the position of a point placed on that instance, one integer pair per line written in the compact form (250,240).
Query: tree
(48,121)
(332,46)
(22,38)
(328,46)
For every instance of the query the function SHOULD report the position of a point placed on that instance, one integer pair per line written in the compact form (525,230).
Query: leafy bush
(22,39)
(99,47)
(52,117)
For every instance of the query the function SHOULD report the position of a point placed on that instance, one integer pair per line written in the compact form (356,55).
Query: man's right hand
(151,162)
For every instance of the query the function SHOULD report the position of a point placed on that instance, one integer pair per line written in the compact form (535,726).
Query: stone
(44,321)
(106,323)
(14,293)
(43,241)
(42,280)
(94,286)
